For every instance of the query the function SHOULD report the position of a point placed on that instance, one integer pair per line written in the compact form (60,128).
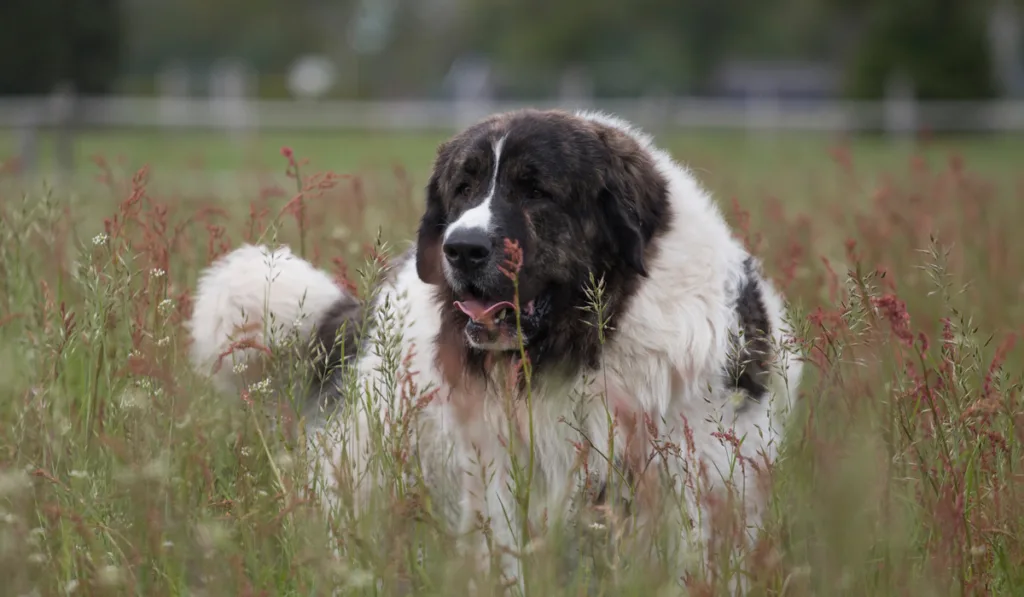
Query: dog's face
(575,197)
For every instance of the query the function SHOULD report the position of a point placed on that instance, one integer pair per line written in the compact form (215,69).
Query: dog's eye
(462,189)
(537,193)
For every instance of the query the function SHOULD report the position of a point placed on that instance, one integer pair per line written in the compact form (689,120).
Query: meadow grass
(123,473)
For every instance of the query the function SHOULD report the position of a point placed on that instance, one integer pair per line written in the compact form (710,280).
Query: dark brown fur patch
(337,338)
(340,332)
(748,368)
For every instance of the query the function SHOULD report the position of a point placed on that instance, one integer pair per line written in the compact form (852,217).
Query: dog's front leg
(490,517)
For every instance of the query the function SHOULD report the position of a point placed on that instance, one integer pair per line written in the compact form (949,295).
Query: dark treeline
(406,47)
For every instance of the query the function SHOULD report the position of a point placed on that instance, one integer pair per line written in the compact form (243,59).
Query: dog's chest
(577,428)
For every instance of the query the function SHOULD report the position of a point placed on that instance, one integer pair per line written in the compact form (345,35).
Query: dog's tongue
(480,311)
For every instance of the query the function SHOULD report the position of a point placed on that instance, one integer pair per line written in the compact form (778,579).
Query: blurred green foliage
(405,48)
(941,45)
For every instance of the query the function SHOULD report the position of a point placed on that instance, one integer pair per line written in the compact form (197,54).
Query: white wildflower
(240,368)
(165,306)
(157,272)
(260,387)
(131,398)
(163,341)
(737,399)
(99,239)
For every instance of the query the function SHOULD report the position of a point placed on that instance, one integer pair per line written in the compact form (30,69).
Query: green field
(124,474)
(725,159)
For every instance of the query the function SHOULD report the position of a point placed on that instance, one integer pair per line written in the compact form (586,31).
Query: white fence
(898,115)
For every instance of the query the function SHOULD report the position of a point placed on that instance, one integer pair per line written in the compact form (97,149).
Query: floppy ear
(428,239)
(433,221)
(635,196)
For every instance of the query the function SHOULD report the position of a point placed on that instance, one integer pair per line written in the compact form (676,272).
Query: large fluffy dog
(652,342)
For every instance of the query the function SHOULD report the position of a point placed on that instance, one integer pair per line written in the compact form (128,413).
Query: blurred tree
(627,47)
(44,43)
(419,40)
(624,48)
(266,34)
(941,46)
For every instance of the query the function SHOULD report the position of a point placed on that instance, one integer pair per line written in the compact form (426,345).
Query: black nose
(467,249)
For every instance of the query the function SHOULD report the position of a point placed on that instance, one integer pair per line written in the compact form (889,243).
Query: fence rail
(897,116)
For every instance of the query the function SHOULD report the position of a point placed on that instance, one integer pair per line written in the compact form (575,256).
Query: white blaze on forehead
(480,215)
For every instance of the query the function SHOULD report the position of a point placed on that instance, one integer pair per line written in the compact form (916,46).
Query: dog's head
(577,196)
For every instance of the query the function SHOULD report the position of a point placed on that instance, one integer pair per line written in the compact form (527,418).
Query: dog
(571,288)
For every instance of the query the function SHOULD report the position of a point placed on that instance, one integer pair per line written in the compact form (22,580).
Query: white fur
(257,294)
(479,216)
(665,361)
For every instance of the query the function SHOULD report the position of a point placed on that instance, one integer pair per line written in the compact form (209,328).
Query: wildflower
(240,368)
(157,272)
(895,310)
(737,399)
(513,259)
(165,306)
(163,341)
(260,387)
(99,239)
